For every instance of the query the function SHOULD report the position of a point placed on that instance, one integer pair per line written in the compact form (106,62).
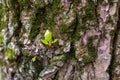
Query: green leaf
(48,36)
(55,40)
(34,59)
(44,41)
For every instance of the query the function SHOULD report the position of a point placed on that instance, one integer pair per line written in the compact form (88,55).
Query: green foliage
(48,38)
(34,59)
(44,41)
(10,53)
(55,40)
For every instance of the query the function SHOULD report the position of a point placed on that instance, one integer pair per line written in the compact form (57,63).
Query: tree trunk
(88,33)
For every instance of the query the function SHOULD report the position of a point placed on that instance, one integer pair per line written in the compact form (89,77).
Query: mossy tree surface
(88,46)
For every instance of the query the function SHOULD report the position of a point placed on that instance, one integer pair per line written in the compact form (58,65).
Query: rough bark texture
(88,33)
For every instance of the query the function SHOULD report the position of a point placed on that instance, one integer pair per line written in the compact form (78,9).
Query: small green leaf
(34,59)
(55,40)
(48,36)
(44,41)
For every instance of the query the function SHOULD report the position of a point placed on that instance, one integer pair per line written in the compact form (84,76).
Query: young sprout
(48,38)
(34,59)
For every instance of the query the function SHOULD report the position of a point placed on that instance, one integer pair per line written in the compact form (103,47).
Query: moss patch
(10,53)
(51,11)
(24,4)
(36,19)
(87,17)
(3,15)
(115,64)
(43,14)
(100,1)
(56,77)
(91,51)
(1,39)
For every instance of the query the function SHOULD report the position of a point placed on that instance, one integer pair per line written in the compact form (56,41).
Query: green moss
(1,16)
(112,68)
(2,62)
(38,68)
(89,11)
(84,27)
(87,18)
(76,1)
(110,19)
(56,77)
(25,64)
(36,19)
(3,10)
(51,10)
(91,51)
(63,28)
(34,31)
(118,78)
(115,64)
(1,39)
(100,1)
(112,32)
(53,7)
(88,59)
(43,14)
(10,53)
(25,52)
(24,4)
(15,10)
(16,15)
(39,4)
(59,58)
(70,29)
(110,1)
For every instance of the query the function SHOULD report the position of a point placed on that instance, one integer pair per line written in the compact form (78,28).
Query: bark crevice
(114,44)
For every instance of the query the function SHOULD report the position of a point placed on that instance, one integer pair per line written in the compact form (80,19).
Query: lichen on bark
(84,29)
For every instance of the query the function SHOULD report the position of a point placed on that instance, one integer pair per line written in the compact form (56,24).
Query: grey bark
(88,33)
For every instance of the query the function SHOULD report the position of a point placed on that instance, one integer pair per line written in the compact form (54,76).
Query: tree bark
(88,33)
